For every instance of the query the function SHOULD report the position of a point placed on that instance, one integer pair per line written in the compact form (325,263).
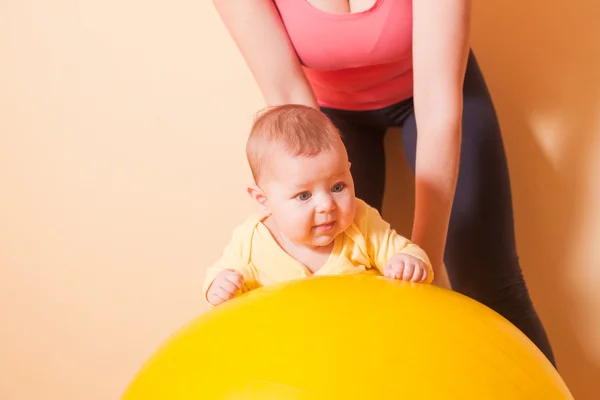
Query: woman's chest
(323,40)
(343,6)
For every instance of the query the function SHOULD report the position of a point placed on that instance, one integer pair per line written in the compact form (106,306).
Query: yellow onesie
(365,247)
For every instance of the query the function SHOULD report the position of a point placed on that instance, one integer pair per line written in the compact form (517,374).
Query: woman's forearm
(258,31)
(438,154)
(440,51)
(297,92)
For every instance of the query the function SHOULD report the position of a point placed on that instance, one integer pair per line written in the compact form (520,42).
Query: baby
(310,222)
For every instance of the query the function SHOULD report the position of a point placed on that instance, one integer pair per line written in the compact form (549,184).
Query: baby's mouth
(323,228)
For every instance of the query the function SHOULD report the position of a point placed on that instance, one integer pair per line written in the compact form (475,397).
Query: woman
(373,64)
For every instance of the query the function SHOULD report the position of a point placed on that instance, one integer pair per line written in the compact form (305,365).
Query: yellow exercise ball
(348,337)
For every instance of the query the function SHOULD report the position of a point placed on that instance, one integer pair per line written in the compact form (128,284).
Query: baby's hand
(406,267)
(225,286)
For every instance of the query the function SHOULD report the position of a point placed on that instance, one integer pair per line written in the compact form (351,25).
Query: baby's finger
(236,278)
(418,274)
(408,272)
(230,288)
(214,298)
(397,270)
(389,272)
(401,269)
(224,294)
(424,275)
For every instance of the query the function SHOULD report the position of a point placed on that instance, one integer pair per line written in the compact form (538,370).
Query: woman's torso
(360,60)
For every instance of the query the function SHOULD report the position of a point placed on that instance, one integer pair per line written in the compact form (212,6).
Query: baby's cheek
(346,221)
(349,208)
(301,228)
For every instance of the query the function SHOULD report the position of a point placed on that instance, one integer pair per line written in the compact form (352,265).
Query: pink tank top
(356,61)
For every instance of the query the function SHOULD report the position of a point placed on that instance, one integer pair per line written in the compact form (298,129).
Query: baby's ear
(259,197)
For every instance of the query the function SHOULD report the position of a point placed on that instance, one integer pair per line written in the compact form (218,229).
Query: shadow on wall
(542,63)
(541,60)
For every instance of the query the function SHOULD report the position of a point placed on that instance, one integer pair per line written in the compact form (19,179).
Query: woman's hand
(440,51)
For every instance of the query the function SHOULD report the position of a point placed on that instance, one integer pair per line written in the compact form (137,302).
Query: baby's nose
(325,204)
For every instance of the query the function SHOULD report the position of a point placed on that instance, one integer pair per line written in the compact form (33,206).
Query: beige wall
(109,206)
(544,72)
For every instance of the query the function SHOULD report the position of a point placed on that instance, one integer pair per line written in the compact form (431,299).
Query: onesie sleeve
(383,242)
(235,256)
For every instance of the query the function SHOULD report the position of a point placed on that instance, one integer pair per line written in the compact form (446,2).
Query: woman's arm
(258,32)
(440,51)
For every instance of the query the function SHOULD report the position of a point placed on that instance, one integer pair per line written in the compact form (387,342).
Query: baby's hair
(297,129)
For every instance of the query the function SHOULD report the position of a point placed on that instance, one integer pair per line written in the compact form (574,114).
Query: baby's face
(311,199)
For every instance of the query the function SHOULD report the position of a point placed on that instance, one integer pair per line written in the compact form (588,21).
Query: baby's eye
(303,196)
(338,187)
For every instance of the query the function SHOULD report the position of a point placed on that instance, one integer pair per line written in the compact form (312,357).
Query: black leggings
(480,253)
